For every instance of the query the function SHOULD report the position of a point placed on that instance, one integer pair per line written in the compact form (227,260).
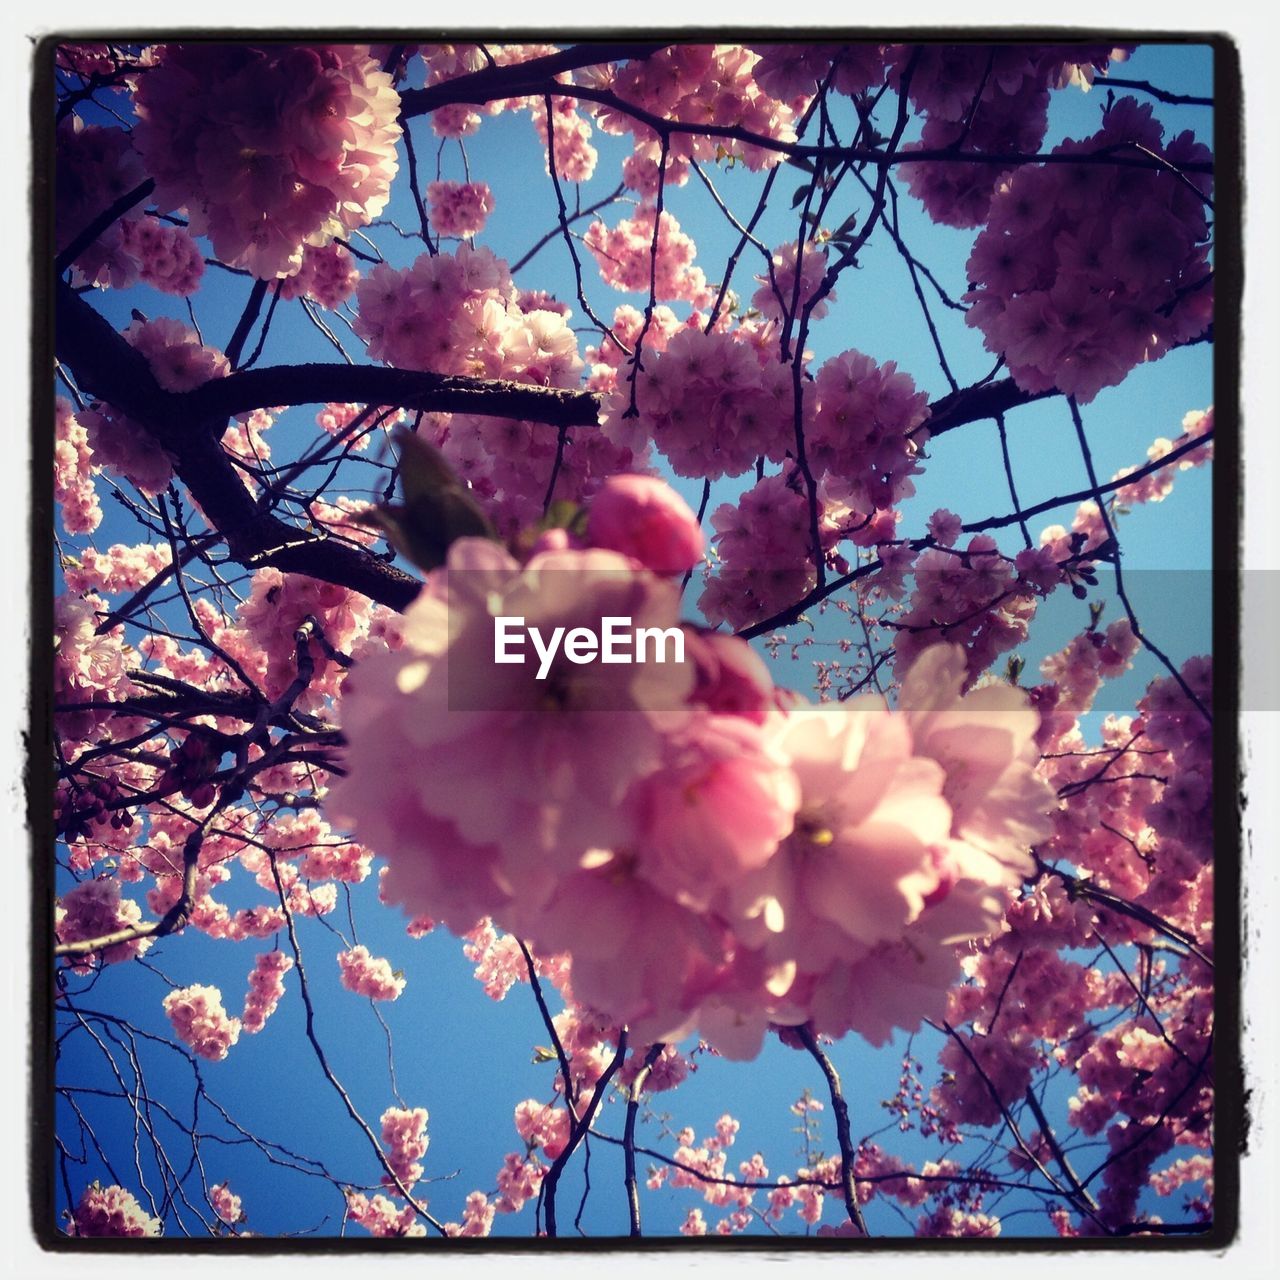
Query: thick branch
(848,1153)
(173,921)
(519,79)
(1123,155)
(105,364)
(976,403)
(187,426)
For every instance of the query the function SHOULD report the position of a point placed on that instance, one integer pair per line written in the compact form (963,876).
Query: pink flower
(627,258)
(268,147)
(382,1218)
(459,208)
(778,296)
(368,975)
(200,1021)
(111,1211)
(404,1134)
(73,487)
(266,986)
(715,809)
(543,1126)
(859,862)
(91,910)
(554,741)
(644,518)
(225,1204)
(944,527)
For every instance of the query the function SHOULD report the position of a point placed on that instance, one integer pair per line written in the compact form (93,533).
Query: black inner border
(1231,1120)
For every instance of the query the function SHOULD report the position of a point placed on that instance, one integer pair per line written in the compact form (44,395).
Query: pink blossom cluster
(266,987)
(477,1217)
(117,569)
(328,275)
(519,1181)
(1139,837)
(780,295)
(864,426)
(268,147)
(543,1126)
(497,957)
(755,866)
(404,1134)
(461,313)
(1157,486)
(703,1167)
(984,98)
(97,165)
(574,155)
(368,975)
(226,1204)
(200,1021)
(628,260)
(711,402)
(336,418)
(87,667)
(245,438)
(111,1211)
(1086,270)
(96,59)
(509,463)
(263,640)
(73,471)
(611,360)
(382,1217)
(180,362)
(696,84)
(94,909)
(792,73)
(459,208)
(458,313)
(763,545)
(167,257)
(975,596)
(449,61)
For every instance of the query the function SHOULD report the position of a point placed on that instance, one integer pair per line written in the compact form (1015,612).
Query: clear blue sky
(465,1058)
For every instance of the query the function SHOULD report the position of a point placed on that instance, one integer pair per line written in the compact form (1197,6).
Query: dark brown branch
(629,1133)
(1162,95)
(976,403)
(173,921)
(373,384)
(577,1132)
(1118,155)
(187,425)
(843,1137)
(101,223)
(519,79)
(105,364)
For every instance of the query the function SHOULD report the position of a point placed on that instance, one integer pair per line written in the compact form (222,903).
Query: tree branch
(519,79)
(848,1154)
(187,425)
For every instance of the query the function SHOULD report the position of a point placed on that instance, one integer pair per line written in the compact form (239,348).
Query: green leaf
(438,508)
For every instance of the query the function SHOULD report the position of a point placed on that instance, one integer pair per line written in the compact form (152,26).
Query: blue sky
(466,1058)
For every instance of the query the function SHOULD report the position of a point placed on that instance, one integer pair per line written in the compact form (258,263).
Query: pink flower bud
(644,518)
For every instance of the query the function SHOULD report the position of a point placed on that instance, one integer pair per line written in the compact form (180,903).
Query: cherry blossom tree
(314,437)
